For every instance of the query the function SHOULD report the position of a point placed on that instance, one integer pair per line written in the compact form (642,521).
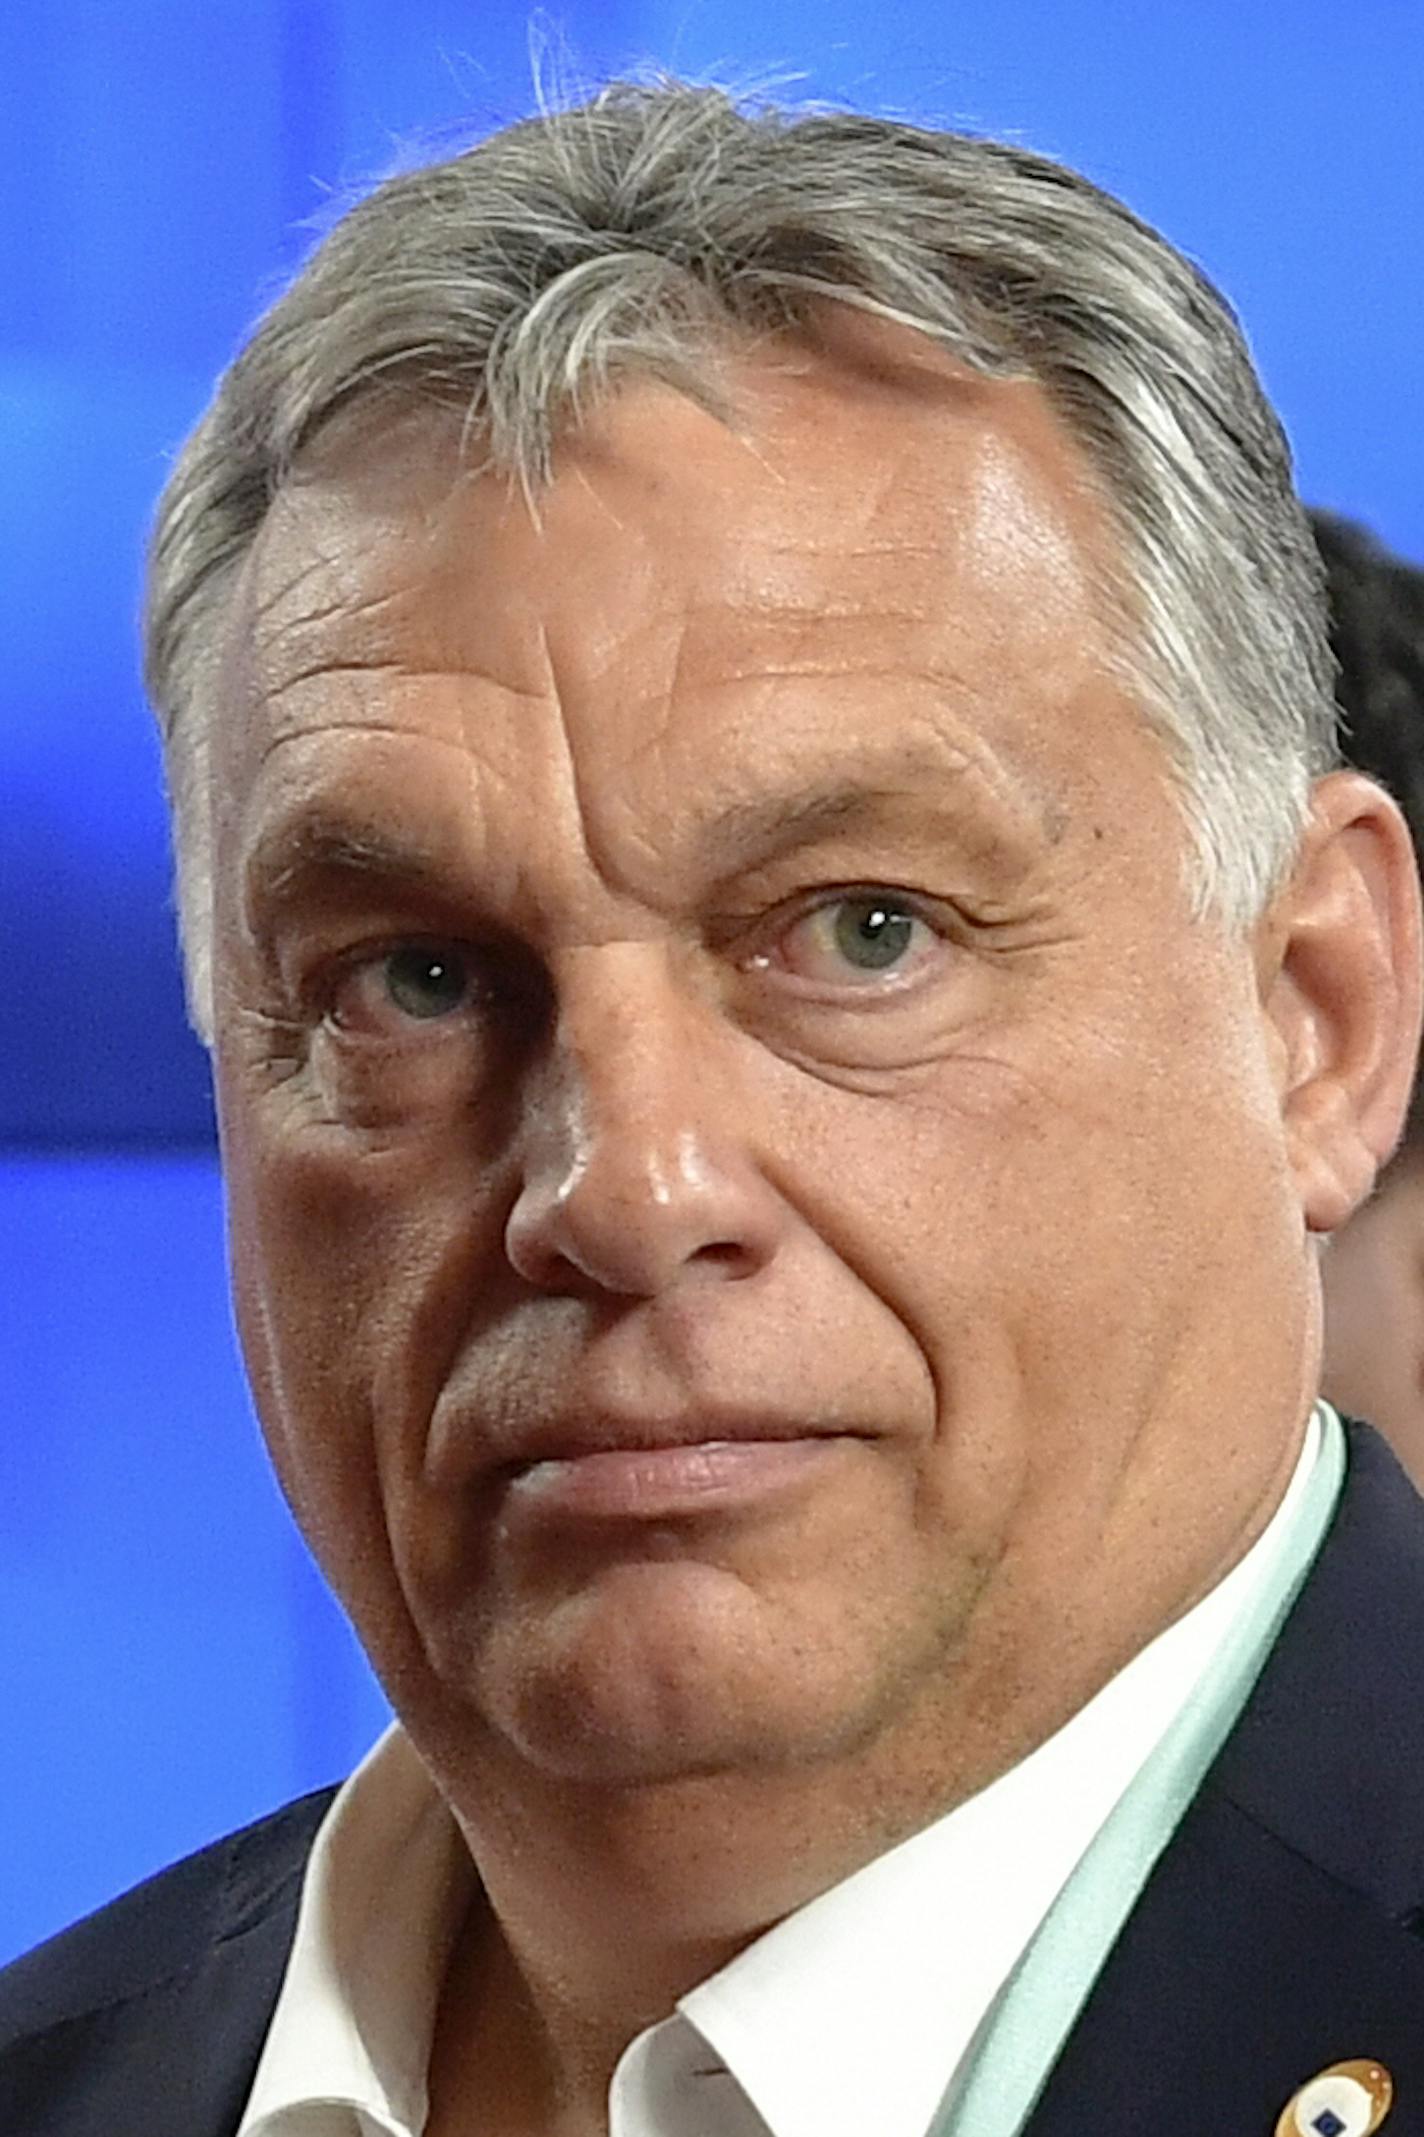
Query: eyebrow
(763,830)
(322,842)
(756,832)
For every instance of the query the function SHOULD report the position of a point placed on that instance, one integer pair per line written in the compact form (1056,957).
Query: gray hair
(631,236)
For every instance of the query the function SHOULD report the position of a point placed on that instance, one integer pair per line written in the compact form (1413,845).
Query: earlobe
(1340,974)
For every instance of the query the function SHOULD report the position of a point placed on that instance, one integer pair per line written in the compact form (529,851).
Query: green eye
(871,933)
(426,983)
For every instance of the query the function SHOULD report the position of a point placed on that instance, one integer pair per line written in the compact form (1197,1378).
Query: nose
(637,1168)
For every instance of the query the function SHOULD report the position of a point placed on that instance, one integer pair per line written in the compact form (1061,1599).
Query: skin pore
(771,1247)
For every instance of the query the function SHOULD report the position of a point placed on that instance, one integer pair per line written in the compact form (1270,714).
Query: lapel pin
(1347,2100)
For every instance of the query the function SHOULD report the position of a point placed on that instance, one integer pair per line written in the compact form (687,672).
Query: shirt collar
(386,1885)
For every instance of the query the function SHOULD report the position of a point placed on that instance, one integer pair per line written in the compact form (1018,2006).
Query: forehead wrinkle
(770,609)
(273,692)
(329,623)
(375,584)
(287,557)
(773,627)
(405,671)
(388,730)
(579,816)
(267,589)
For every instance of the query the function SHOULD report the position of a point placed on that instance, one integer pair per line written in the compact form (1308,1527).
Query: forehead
(877,548)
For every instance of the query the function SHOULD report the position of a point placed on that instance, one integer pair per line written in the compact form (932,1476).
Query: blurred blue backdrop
(168,1662)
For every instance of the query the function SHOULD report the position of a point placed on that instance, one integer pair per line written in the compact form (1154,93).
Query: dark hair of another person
(1377,637)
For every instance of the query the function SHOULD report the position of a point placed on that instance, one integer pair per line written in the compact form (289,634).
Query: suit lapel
(167,2011)
(1243,1972)
(177,2061)
(1275,1936)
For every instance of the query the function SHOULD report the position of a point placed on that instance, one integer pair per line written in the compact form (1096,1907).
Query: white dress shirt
(848,2018)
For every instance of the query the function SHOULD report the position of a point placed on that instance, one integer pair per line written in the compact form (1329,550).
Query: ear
(1339,969)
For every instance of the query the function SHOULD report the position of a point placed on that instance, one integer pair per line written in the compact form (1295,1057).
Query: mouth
(658,1476)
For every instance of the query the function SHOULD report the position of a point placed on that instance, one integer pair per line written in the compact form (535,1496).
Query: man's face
(760,1222)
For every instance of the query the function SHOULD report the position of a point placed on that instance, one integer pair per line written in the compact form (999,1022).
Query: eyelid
(320,989)
(782,913)
(506,991)
(774,927)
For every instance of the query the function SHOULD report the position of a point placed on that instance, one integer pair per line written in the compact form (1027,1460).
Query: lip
(658,1482)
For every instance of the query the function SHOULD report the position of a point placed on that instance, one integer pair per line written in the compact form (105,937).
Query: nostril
(726,1255)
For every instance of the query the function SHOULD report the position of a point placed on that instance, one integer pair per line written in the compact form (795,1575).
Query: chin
(638,1735)
(660,1673)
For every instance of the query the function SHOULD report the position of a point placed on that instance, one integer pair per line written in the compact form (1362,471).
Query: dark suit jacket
(1282,1930)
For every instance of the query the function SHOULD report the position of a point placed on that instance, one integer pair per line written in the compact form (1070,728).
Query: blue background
(169,1664)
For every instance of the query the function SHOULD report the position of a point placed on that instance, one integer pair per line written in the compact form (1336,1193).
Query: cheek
(979,1198)
(957,1208)
(1047,1213)
(356,1281)
(358,1272)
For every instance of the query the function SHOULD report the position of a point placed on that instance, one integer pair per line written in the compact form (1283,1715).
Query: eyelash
(775,926)
(321,991)
(762,930)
